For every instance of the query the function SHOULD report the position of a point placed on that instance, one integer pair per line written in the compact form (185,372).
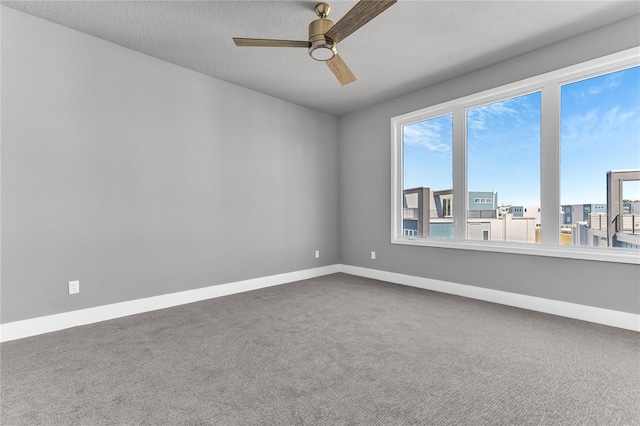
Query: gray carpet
(336,350)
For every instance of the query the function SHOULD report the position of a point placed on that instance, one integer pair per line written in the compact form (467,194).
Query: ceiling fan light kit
(321,48)
(324,35)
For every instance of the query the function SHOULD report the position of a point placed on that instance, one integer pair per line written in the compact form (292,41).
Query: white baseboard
(565,309)
(31,327)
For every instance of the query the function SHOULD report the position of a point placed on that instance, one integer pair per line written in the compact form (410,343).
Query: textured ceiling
(411,45)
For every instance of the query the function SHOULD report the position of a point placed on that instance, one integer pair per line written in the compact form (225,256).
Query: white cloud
(594,125)
(576,127)
(517,110)
(599,84)
(430,134)
(615,118)
(613,80)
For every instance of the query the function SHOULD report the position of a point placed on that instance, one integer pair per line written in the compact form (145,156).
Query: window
(600,143)
(427,178)
(447,207)
(503,154)
(532,166)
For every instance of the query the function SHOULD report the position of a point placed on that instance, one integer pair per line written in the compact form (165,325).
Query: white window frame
(549,84)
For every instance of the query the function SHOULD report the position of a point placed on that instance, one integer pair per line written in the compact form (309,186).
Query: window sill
(580,253)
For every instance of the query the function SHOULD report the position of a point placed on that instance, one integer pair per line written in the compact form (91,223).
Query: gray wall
(141,178)
(365,222)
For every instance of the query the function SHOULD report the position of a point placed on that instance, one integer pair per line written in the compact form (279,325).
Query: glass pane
(600,143)
(503,169)
(428,178)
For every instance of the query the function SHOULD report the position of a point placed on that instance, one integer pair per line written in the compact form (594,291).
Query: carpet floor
(335,350)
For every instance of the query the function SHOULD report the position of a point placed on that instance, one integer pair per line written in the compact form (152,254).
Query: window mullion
(550,165)
(396,180)
(459,175)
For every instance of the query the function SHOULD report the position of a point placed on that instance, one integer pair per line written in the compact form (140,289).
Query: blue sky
(600,131)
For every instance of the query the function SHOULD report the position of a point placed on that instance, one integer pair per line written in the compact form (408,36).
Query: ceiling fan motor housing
(321,48)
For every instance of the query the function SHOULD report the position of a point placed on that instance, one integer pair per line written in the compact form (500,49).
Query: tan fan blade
(267,42)
(360,14)
(341,70)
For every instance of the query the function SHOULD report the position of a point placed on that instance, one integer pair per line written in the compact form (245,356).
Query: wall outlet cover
(74,287)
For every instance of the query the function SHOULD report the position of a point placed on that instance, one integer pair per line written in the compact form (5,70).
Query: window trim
(549,84)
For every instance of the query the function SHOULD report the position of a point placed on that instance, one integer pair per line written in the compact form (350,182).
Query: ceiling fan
(324,35)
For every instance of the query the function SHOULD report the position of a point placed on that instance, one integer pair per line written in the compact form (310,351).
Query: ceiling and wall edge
(521,66)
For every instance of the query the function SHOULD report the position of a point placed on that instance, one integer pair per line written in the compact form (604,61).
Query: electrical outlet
(74,287)
(317,254)
(373,255)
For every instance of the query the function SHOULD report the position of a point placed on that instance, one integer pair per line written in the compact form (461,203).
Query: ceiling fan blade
(341,70)
(267,42)
(360,14)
